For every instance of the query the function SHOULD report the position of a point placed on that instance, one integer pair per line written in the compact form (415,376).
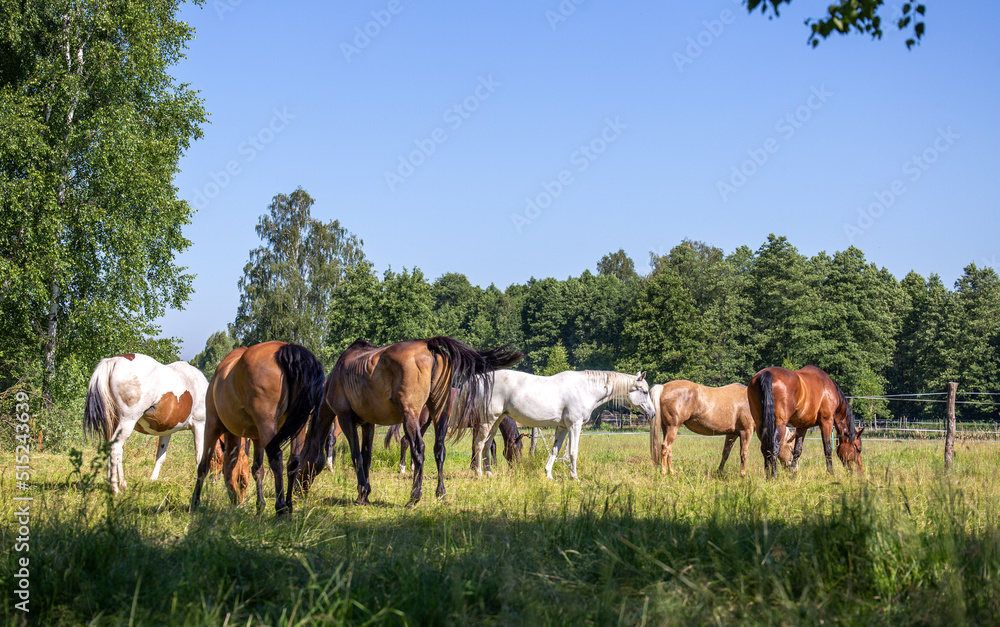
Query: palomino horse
(392,385)
(802,399)
(136,392)
(265,393)
(564,401)
(704,410)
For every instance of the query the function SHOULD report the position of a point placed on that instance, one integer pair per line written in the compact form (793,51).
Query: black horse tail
(471,370)
(304,378)
(768,424)
(100,418)
(395,433)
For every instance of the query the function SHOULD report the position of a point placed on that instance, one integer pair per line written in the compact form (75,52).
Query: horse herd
(275,393)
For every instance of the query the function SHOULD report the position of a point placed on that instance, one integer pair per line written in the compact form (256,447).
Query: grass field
(907,544)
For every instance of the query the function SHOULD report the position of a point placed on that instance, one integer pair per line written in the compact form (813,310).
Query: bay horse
(704,410)
(134,392)
(392,384)
(265,393)
(564,401)
(802,399)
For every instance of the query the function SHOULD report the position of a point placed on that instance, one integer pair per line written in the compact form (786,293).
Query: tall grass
(905,544)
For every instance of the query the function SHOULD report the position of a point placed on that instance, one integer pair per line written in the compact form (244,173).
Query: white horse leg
(116,471)
(481,437)
(198,428)
(556,445)
(161,454)
(574,447)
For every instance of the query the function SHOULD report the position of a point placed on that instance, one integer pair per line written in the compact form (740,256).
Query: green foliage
(618,265)
(557,361)
(218,345)
(861,16)
(289,284)
(92,126)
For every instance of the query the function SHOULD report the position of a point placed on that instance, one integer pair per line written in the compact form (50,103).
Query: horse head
(849,450)
(513,451)
(638,396)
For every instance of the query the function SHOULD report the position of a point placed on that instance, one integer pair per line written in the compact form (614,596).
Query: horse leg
(479,439)
(493,452)
(294,466)
(213,431)
(198,429)
(744,449)
(257,470)
(825,428)
(161,454)
(556,445)
(800,435)
(404,443)
(726,448)
(230,466)
(411,426)
(350,429)
(574,447)
(667,454)
(116,471)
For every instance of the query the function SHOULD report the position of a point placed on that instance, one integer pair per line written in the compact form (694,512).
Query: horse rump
(304,376)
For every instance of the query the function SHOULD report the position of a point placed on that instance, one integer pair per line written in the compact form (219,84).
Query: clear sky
(426,129)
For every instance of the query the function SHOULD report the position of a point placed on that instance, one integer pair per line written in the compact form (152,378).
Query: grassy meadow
(907,544)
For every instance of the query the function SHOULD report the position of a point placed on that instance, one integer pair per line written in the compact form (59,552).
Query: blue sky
(426,129)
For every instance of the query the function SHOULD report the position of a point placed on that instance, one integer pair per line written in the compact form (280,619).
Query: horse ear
(861,430)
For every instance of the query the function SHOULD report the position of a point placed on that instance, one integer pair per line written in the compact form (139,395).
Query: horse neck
(609,386)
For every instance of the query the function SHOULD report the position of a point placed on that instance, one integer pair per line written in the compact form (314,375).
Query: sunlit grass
(623,545)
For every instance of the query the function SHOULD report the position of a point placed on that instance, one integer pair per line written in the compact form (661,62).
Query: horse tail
(768,424)
(304,379)
(100,415)
(471,370)
(395,433)
(655,428)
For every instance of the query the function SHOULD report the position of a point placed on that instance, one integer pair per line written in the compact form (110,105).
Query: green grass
(907,544)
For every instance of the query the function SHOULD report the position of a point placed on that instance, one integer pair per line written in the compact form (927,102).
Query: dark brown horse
(802,399)
(265,393)
(391,385)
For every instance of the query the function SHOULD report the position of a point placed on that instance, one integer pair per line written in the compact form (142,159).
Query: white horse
(564,401)
(136,392)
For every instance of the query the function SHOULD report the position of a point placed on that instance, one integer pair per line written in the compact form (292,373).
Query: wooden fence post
(949,427)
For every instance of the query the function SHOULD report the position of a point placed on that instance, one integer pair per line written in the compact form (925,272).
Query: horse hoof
(361,500)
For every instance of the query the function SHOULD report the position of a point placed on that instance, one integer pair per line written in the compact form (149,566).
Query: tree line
(699,314)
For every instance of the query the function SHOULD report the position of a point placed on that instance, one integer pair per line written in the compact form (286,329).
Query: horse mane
(852,429)
(617,384)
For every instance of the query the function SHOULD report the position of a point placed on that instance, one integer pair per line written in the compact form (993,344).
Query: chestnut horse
(801,399)
(265,393)
(392,384)
(134,392)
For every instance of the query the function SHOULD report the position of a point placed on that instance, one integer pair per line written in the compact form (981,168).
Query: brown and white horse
(390,385)
(265,393)
(134,392)
(802,399)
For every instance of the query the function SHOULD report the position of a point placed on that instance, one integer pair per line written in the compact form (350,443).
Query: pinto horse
(801,399)
(391,385)
(265,393)
(134,392)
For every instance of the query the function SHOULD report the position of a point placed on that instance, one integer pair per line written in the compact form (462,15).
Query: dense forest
(699,314)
